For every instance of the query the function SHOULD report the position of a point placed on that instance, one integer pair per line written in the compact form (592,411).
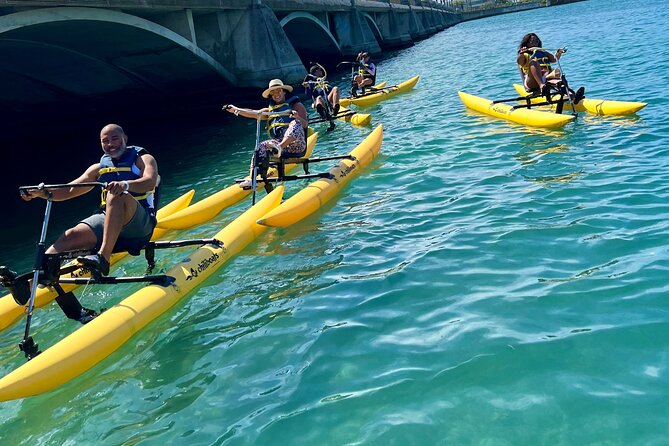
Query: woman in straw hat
(287,121)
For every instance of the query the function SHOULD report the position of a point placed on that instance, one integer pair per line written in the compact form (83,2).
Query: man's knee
(115,200)
(123,204)
(124,200)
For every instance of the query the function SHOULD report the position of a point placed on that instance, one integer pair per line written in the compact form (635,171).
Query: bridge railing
(478,5)
(436,4)
(456,6)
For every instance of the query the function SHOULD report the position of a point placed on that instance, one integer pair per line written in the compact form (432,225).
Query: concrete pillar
(251,44)
(395,30)
(181,22)
(354,33)
(414,26)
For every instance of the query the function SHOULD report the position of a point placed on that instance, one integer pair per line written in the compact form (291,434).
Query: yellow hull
(10,311)
(96,340)
(375,98)
(534,118)
(312,197)
(360,119)
(594,106)
(211,206)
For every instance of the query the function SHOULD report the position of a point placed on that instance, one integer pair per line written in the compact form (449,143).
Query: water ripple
(478,273)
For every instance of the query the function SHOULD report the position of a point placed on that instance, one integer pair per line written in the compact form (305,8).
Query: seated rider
(534,64)
(128,206)
(316,85)
(366,75)
(287,123)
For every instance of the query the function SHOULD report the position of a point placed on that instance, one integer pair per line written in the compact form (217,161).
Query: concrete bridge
(89,55)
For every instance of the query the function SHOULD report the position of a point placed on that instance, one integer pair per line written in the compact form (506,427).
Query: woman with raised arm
(287,122)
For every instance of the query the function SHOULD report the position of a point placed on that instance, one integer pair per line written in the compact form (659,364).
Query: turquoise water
(482,283)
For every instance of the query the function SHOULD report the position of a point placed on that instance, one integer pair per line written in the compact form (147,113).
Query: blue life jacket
(277,125)
(539,55)
(125,169)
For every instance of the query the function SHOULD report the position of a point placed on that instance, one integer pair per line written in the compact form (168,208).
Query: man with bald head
(128,206)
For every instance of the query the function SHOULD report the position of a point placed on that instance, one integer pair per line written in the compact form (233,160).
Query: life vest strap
(103,197)
(105,170)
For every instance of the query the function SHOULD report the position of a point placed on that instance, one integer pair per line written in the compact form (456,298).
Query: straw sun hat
(273,85)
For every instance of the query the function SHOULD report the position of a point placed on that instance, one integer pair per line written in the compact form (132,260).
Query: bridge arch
(374,27)
(310,37)
(65,14)
(106,52)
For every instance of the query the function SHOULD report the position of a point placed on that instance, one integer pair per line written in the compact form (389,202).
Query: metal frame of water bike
(47,270)
(561,88)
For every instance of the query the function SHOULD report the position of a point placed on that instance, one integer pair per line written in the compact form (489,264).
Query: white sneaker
(246,184)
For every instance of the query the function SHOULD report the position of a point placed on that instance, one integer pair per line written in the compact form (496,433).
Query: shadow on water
(58,148)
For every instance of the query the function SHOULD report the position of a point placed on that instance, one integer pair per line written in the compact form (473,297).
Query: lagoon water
(482,283)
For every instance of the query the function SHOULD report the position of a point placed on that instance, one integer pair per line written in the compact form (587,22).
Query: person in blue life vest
(320,90)
(127,214)
(366,75)
(287,123)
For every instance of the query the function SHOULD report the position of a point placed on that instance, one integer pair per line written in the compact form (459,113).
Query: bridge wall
(71,54)
(249,41)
